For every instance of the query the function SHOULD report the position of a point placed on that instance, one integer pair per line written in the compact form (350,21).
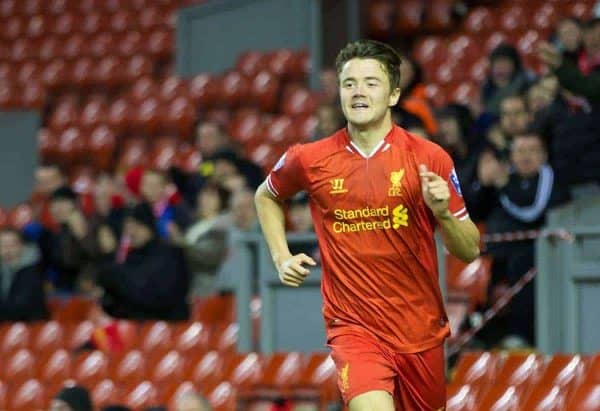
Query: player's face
(365,92)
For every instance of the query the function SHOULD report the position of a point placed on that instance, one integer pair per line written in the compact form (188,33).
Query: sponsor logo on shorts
(344,383)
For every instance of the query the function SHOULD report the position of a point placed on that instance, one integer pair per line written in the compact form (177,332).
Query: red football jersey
(375,233)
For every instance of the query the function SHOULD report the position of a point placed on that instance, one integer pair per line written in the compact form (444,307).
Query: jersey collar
(383,145)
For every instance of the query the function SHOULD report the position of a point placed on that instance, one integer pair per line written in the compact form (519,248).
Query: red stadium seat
(120,115)
(180,390)
(74,46)
(223,397)
(170,369)
(562,370)
(306,127)
(132,43)
(133,153)
(71,145)
(264,90)
(122,21)
(460,398)
(513,18)
(3,395)
(479,70)
(13,28)
(9,96)
(16,337)
(21,215)
(251,63)
(91,368)
(23,49)
(172,87)
(94,23)
(281,62)
(29,396)
(141,396)
(430,49)
(34,96)
(192,339)
(181,116)
(480,19)
(138,66)
(30,71)
(143,89)
(580,9)
(226,338)
(105,393)
(93,114)
(319,375)
(102,45)
(519,370)
(544,398)
(18,367)
(586,397)
(243,370)
(7,72)
(50,337)
(473,280)
(66,24)
(57,367)
(262,154)
(438,15)
(208,370)
(156,337)
(545,17)
(160,43)
(465,93)
(57,7)
(463,48)
(149,115)
(82,73)
(32,7)
(38,26)
(109,72)
(528,42)
(409,16)
(74,309)
(164,153)
(80,334)
(299,101)
(188,159)
(592,370)
(474,366)
(493,40)
(246,126)
(101,146)
(220,116)
(55,74)
(279,129)
(130,369)
(380,18)
(234,89)
(203,89)
(8,8)
(500,397)
(150,18)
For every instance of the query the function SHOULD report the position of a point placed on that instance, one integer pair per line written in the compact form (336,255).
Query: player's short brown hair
(372,49)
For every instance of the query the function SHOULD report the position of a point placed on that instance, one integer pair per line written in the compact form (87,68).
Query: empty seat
(133,153)
(234,89)
(37,26)
(480,19)
(172,87)
(592,372)
(109,72)
(189,159)
(281,62)
(460,398)
(223,397)
(438,15)
(149,115)
(278,130)
(28,396)
(169,369)
(264,90)
(138,66)
(562,370)
(131,43)
(142,395)
(64,116)
(101,146)
(71,145)
(16,336)
(500,397)
(544,397)
(474,366)
(429,48)
(473,280)
(215,310)
(409,16)
(186,387)
(250,63)
(208,370)
(181,116)
(518,370)
(380,18)
(120,115)
(50,337)
(156,337)
(243,370)
(225,338)
(586,397)
(319,375)
(66,24)
(3,395)
(18,367)
(192,339)
(203,89)
(160,43)
(299,101)
(91,368)
(56,368)
(105,393)
(80,334)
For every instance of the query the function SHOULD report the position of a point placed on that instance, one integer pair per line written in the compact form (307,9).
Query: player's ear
(394,97)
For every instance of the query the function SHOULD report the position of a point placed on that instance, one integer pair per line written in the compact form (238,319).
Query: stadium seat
(264,90)
(245,126)
(223,397)
(82,72)
(29,396)
(93,114)
(280,62)
(580,9)
(20,215)
(243,370)
(94,22)
(131,43)
(55,74)
(8,8)
(82,180)
(18,367)
(279,129)
(188,159)
(34,96)
(122,21)
(169,369)
(250,63)
(280,371)
(129,369)
(438,15)
(466,93)
(143,89)
(160,43)
(142,396)
(592,370)
(73,309)
(208,370)
(493,40)
(101,146)
(120,115)
(380,18)
(409,16)
(156,337)
(586,397)
(479,70)
(181,116)
(186,387)
(30,71)
(480,19)
(80,334)
(299,101)
(562,370)
(234,89)
(22,50)
(192,339)
(429,49)
(105,393)
(475,366)
(215,310)
(133,153)
(460,398)
(464,49)
(149,115)
(544,397)
(74,46)
(37,26)
(90,368)
(149,18)
(204,89)
(305,127)
(545,17)
(66,24)
(519,370)
(225,338)
(71,145)
(473,280)
(57,7)
(172,87)
(138,66)
(109,72)
(13,28)
(33,7)
(56,367)
(318,375)
(500,397)
(16,336)
(50,337)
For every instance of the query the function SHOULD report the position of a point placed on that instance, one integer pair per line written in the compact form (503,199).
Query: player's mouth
(359,106)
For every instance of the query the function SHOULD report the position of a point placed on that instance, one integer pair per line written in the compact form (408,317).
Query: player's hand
(292,270)
(436,192)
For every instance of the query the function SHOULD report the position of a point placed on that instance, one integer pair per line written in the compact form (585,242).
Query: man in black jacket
(152,283)
(21,285)
(525,191)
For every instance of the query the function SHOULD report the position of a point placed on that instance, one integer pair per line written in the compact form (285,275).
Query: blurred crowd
(148,241)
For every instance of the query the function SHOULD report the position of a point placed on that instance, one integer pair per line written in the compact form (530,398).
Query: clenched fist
(292,271)
(435,191)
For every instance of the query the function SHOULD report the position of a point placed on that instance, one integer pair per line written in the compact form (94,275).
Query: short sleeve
(443,166)
(287,176)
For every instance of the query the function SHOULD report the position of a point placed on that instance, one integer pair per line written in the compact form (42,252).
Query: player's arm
(272,221)
(460,236)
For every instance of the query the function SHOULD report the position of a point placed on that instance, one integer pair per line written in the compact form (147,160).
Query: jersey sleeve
(443,166)
(287,176)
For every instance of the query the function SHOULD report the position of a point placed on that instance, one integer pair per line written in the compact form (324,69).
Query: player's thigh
(362,366)
(372,401)
(421,382)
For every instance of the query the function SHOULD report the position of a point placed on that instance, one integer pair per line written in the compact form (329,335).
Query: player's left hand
(436,192)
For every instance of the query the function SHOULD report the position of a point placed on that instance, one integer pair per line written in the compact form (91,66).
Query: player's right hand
(292,271)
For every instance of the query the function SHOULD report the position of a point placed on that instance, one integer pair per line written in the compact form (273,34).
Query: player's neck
(368,137)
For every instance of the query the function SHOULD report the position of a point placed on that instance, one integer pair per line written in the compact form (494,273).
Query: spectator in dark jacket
(21,284)
(152,283)
(74,398)
(525,192)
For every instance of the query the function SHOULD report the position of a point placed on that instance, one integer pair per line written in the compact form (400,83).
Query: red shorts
(416,381)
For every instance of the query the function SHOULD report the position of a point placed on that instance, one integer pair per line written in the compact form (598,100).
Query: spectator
(525,192)
(300,217)
(205,241)
(65,250)
(413,99)
(225,166)
(21,284)
(48,178)
(243,220)
(152,283)
(454,136)
(210,138)
(172,215)
(192,402)
(329,86)
(330,120)
(581,77)
(74,398)
(567,38)
(507,77)
(538,97)
(514,119)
